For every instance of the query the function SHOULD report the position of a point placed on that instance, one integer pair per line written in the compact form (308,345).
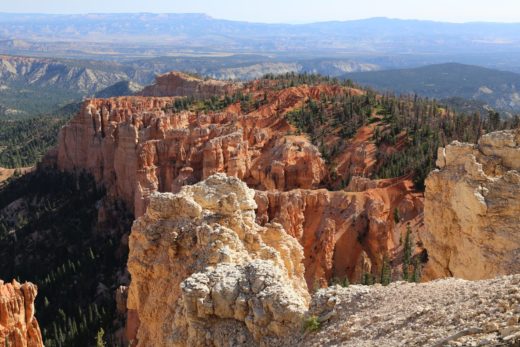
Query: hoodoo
(18,325)
(204,273)
(135,146)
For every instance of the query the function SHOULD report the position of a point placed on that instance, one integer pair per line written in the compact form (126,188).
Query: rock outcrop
(18,325)
(180,84)
(205,274)
(472,209)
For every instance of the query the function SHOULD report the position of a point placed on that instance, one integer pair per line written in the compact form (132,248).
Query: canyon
(240,214)
(135,146)
(204,273)
(18,324)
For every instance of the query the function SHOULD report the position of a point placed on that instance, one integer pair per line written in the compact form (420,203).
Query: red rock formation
(338,228)
(18,326)
(137,145)
(180,84)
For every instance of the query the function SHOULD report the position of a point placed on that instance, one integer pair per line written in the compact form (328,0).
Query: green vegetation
(338,281)
(417,267)
(311,324)
(407,253)
(215,103)
(397,218)
(408,129)
(24,142)
(440,81)
(100,338)
(54,240)
(23,101)
(386,272)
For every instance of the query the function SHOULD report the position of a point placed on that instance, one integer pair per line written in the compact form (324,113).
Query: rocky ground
(448,312)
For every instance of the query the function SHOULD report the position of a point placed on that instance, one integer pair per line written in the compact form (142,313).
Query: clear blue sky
(288,11)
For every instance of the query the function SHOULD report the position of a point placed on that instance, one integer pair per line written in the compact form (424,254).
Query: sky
(288,11)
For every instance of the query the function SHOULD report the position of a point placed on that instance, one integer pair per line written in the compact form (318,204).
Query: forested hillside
(406,130)
(50,234)
(498,89)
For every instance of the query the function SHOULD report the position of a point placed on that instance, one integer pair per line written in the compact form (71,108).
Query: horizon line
(265,23)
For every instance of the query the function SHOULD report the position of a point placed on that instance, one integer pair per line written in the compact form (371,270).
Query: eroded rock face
(205,274)
(180,84)
(339,229)
(472,209)
(136,145)
(18,325)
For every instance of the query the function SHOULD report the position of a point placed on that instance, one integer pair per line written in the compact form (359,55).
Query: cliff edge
(472,209)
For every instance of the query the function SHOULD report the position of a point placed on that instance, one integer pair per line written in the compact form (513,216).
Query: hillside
(55,231)
(33,86)
(448,312)
(498,89)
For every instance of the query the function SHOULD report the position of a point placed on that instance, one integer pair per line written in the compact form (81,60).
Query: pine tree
(416,276)
(386,272)
(368,279)
(407,253)
(100,338)
(397,218)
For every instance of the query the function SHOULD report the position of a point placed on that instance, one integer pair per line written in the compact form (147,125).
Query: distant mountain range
(201,31)
(498,89)
(388,43)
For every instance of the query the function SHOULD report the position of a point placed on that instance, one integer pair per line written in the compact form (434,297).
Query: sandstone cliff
(472,209)
(205,274)
(18,325)
(135,146)
(181,84)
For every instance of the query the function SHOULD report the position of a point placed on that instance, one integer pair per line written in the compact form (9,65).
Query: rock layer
(134,146)
(180,84)
(472,210)
(205,274)
(338,229)
(18,325)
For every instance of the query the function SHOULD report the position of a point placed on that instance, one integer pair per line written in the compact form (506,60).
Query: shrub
(311,324)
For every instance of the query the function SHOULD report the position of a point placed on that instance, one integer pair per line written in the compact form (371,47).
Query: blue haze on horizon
(288,11)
